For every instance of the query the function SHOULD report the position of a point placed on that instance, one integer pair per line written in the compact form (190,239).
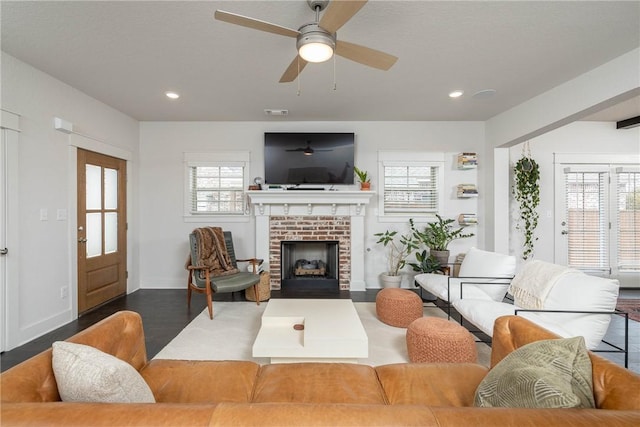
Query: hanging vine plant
(526,191)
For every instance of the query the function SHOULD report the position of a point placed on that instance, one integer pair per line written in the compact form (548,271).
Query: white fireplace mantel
(267,203)
(309,202)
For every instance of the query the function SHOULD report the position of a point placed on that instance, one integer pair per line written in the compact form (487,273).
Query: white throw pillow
(479,263)
(86,374)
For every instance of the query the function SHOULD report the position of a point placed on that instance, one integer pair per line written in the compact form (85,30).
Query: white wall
(45,247)
(615,81)
(163,231)
(578,137)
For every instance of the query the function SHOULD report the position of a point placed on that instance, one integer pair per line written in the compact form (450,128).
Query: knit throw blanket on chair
(212,252)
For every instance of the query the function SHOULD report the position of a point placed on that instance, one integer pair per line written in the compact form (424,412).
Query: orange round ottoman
(398,307)
(435,340)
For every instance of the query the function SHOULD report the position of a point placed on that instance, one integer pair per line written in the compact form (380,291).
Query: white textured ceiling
(127,54)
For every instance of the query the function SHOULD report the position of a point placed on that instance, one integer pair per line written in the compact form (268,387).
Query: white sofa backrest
(479,263)
(582,292)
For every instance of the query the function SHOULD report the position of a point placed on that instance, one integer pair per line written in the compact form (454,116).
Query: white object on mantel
(312,202)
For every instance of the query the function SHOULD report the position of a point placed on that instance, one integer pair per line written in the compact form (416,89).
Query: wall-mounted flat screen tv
(308,158)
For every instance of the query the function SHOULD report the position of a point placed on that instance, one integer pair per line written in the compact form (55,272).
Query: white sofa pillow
(479,263)
(582,292)
(86,374)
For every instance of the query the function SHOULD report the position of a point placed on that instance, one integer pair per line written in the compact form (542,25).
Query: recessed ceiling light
(172,95)
(456,94)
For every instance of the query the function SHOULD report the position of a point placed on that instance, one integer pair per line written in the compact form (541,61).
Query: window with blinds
(587,223)
(628,220)
(411,188)
(217,190)
(215,183)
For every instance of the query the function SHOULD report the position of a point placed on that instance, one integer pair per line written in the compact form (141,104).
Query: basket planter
(390,281)
(264,288)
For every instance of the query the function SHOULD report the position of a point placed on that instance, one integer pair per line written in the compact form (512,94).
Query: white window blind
(587,227)
(411,188)
(217,189)
(215,183)
(628,220)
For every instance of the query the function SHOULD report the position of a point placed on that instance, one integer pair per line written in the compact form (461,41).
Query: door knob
(4,251)
(563,232)
(82,240)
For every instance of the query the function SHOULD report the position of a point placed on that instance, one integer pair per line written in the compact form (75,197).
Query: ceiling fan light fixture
(315,44)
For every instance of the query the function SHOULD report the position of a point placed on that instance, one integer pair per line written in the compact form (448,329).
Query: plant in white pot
(437,235)
(399,248)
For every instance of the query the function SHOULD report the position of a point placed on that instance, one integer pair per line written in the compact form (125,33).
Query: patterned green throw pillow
(543,374)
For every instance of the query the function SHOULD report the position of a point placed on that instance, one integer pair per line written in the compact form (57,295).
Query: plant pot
(441,256)
(365,186)
(390,281)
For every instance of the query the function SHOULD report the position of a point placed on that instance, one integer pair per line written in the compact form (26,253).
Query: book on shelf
(467,219)
(467,160)
(467,190)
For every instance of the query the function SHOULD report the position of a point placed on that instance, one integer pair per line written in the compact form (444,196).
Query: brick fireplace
(310,228)
(312,216)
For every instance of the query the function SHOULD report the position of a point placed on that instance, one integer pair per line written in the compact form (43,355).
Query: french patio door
(598,220)
(102,229)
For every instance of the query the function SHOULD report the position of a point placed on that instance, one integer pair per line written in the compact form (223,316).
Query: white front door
(9,134)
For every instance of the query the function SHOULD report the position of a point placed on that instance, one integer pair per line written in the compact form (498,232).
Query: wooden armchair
(201,279)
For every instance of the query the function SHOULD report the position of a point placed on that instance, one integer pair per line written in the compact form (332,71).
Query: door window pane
(110,232)
(110,188)
(588,227)
(94,186)
(628,190)
(94,234)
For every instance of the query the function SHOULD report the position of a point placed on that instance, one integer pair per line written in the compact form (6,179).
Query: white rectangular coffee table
(332,332)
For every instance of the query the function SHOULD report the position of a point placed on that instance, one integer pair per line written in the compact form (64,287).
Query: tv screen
(308,158)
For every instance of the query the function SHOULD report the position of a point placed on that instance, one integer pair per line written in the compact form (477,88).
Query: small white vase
(390,281)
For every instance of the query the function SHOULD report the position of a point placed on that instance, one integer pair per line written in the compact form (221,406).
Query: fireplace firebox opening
(310,266)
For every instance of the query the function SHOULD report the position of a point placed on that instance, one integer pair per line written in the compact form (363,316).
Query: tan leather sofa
(211,393)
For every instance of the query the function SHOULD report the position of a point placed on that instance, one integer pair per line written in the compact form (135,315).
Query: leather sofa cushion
(313,414)
(73,414)
(441,384)
(318,383)
(183,381)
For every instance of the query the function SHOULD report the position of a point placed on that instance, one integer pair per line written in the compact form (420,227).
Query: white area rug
(230,335)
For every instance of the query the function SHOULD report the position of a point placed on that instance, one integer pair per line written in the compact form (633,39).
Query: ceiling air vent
(270,112)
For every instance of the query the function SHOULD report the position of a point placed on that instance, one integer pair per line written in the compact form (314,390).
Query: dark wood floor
(164,314)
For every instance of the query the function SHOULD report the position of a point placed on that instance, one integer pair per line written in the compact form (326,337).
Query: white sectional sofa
(572,304)
(483,275)
(575,304)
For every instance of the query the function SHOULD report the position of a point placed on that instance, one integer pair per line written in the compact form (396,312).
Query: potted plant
(426,263)
(400,247)
(363,178)
(437,235)
(526,191)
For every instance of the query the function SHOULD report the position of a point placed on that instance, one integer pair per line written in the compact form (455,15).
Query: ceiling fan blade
(365,55)
(292,71)
(339,12)
(256,24)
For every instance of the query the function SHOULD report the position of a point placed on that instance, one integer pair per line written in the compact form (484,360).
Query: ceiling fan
(317,41)
(307,151)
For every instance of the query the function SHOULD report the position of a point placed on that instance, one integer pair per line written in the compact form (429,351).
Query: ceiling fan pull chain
(298,62)
(334,72)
